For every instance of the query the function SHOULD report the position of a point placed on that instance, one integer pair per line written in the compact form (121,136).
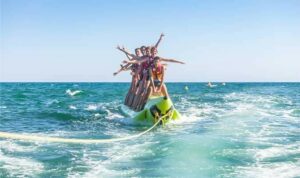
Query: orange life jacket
(157,71)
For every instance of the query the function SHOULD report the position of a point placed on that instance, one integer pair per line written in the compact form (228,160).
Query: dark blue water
(236,130)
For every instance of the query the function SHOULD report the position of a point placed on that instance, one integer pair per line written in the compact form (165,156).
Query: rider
(144,81)
(157,80)
(134,71)
(157,86)
(128,66)
(135,80)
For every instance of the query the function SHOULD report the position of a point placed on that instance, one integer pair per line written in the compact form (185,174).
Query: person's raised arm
(130,58)
(159,40)
(126,52)
(135,61)
(123,68)
(134,57)
(171,60)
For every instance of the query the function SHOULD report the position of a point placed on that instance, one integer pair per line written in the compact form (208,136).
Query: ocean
(236,130)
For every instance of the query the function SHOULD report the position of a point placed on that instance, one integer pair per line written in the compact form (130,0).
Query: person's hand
(118,47)
(125,62)
(162,35)
(158,88)
(122,67)
(115,73)
(125,49)
(181,62)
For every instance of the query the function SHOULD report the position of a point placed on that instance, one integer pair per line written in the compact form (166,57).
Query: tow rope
(8,135)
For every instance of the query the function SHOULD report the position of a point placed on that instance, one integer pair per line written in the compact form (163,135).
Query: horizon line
(164,82)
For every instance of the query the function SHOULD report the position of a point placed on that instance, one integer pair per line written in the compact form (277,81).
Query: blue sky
(75,40)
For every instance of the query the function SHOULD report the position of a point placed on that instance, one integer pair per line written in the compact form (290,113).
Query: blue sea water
(236,130)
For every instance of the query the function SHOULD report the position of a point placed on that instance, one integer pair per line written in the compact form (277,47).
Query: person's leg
(139,81)
(144,95)
(138,93)
(129,93)
(127,96)
(133,92)
(132,98)
(164,90)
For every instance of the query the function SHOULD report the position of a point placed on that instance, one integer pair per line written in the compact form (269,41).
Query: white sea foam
(53,101)
(126,111)
(266,170)
(118,153)
(97,115)
(260,122)
(13,147)
(72,107)
(185,119)
(277,151)
(112,115)
(73,93)
(91,107)
(20,166)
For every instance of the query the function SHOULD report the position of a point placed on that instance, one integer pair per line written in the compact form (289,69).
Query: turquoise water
(237,130)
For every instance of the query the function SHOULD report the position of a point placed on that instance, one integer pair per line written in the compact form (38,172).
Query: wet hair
(137,49)
(153,48)
(156,59)
(143,47)
(148,48)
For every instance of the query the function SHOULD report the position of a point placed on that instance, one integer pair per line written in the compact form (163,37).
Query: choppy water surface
(237,130)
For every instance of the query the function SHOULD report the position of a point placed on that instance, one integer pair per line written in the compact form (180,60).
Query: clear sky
(220,40)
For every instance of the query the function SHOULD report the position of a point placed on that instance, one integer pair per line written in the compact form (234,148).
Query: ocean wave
(52,102)
(59,116)
(264,170)
(12,147)
(97,115)
(19,95)
(3,107)
(108,166)
(91,107)
(20,166)
(277,152)
(113,115)
(72,107)
(295,113)
(73,93)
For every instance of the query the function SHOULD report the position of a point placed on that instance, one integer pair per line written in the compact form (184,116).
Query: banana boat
(156,107)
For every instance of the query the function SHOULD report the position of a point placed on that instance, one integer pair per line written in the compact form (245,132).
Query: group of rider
(147,74)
